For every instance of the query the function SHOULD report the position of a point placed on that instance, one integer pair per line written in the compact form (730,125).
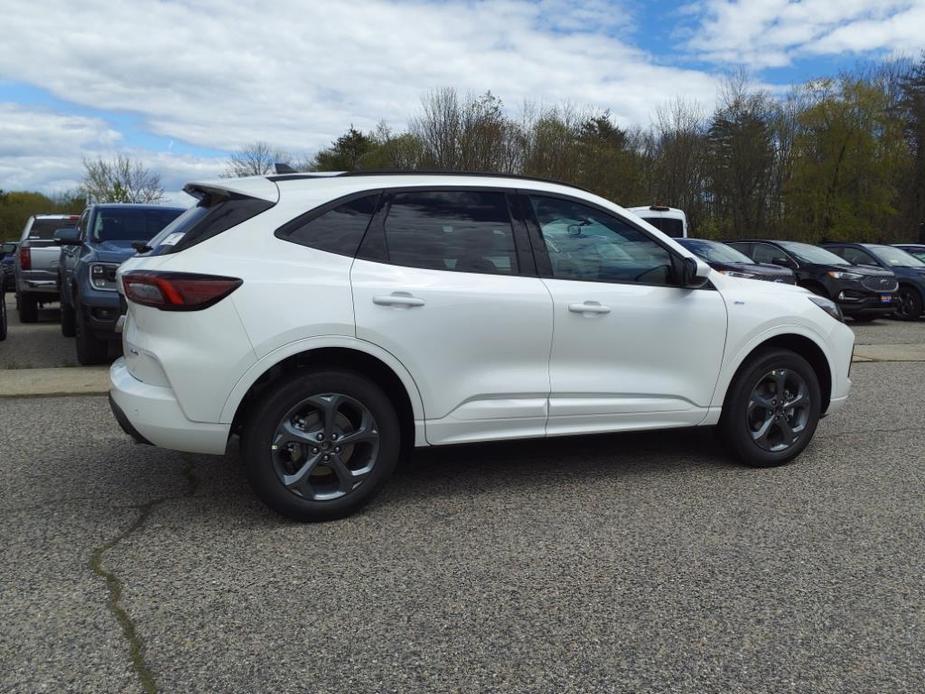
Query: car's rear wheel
(772,409)
(90,349)
(28,308)
(321,446)
(908,303)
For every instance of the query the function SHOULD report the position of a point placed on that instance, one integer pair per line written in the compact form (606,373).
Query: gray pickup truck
(36,266)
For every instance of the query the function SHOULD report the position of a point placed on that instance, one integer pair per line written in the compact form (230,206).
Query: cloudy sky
(179,83)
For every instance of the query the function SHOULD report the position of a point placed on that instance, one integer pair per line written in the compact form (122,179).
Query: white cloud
(293,73)
(771,33)
(43,150)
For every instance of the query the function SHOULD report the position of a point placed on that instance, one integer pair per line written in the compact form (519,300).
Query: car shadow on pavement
(525,465)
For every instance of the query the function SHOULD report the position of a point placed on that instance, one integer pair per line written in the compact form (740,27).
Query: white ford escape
(335,320)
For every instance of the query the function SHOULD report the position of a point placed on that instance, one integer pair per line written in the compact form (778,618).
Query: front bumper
(101,311)
(869,305)
(152,414)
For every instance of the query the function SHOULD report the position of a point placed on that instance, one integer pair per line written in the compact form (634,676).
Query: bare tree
(121,179)
(256,159)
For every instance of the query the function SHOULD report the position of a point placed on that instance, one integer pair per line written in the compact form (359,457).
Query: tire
(908,303)
(816,288)
(90,350)
(68,320)
(743,419)
(2,315)
(28,308)
(327,492)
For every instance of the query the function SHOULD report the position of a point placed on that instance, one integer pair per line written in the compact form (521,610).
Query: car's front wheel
(772,409)
(908,303)
(321,446)
(90,349)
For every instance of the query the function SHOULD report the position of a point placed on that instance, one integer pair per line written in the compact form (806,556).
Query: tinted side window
(855,256)
(339,230)
(585,243)
(763,253)
(464,231)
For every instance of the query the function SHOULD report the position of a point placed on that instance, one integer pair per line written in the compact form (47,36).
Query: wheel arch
(801,344)
(345,353)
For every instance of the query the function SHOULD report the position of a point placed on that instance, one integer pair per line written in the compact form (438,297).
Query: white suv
(334,321)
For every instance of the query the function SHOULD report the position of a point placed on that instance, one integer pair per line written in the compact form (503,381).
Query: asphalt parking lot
(642,562)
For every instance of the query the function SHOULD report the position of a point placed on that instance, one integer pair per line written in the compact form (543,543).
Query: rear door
(630,348)
(445,281)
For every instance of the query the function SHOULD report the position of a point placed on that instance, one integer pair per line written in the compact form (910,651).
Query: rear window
(213,214)
(44,230)
(670,227)
(131,223)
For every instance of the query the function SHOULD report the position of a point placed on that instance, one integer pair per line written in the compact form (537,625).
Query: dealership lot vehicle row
(591,564)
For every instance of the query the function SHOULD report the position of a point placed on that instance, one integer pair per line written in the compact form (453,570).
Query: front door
(630,348)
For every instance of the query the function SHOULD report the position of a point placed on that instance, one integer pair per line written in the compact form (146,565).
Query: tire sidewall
(266,415)
(734,422)
(916,304)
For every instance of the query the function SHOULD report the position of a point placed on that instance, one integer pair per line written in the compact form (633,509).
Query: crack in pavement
(114,585)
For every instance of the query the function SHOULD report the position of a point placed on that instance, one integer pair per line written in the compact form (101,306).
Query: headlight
(828,306)
(103,276)
(734,273)
(839,275)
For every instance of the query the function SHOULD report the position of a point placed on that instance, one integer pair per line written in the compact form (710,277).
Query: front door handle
(589,307)
(404,299)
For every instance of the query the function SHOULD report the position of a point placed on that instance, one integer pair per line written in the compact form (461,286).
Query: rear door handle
(398,299)
(588,307)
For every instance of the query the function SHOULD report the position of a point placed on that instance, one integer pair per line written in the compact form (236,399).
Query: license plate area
(886,298)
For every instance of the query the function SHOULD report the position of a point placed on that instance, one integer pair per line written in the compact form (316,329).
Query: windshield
(895,257)
(714,251)
(131,223)
(812,254)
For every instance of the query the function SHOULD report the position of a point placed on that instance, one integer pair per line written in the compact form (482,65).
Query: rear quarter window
(336,228)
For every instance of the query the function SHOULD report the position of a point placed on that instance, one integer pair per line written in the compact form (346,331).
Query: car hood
(113,251)
(762,269)
(864,270)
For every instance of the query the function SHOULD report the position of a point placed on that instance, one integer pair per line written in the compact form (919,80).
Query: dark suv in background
(91,254)
(862,293)
(909,270)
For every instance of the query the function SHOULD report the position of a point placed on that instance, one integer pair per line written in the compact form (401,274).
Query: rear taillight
(25,258)
(176,291)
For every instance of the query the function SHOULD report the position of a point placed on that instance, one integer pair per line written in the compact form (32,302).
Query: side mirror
(694,273)
(68,236)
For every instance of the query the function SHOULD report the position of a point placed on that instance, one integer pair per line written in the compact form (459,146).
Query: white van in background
(668,220)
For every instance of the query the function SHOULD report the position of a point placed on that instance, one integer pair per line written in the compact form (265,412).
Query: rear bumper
(38,282)
(151,414)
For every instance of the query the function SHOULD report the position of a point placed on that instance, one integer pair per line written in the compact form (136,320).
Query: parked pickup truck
(36,267)
(90,255)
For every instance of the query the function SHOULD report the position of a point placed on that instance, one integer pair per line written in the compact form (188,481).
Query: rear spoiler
(258,187)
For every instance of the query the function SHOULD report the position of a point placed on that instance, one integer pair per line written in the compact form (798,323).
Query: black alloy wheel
(772,408)
(908,303)
(320,444)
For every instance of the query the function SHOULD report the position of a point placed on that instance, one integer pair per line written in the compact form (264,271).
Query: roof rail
(428,172)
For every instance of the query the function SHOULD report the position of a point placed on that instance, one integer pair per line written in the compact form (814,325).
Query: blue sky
(180,83)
